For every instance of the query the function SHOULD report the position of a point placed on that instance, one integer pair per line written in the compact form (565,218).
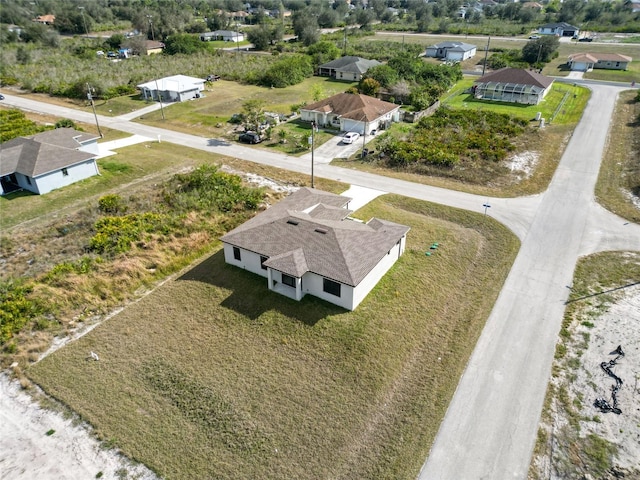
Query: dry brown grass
(211,375)
(618,185)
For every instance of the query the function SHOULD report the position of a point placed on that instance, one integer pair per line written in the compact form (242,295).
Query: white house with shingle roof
(585,62)
(176,88)
(47,161)
(452,51)
(561,29)
(347,68)
(352,113)
(308,244)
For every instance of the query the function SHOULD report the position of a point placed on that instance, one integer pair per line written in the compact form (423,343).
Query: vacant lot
(213,376)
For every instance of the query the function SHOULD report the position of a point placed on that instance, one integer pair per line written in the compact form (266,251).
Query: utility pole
(159,99)
(84,22)
(90,97)
(539,52)
(344,43)
(486,52)
(313,128)
(153,35)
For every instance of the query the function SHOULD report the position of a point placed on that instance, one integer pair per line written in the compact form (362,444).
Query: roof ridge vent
(291,221)
(321,230)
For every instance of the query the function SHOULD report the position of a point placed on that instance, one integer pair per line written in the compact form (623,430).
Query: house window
(289,280)
(617,64)
(331,287)
(262,260)
(236,253)
(28,180)
(65,173)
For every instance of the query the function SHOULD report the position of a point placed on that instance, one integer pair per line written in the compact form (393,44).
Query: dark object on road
(249,137)
(1,97)
(600,403)
(585,39)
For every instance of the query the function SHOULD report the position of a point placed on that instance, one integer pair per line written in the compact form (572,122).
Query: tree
(114,41)
(401,91)
(287,71)
(253,111)
(260,37)
(183,43)
(542,49)
(383,74)
(369,86)
(306,28)
(323,52)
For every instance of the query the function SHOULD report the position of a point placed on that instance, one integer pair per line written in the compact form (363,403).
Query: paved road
(490,428)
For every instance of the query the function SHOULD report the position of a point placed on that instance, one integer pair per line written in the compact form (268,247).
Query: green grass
(211,375)
(570,113)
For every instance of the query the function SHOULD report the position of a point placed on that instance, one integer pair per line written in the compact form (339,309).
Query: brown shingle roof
(353,106)
(518,76)
(298,237)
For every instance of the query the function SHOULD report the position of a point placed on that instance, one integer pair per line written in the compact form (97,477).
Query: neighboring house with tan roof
(308,244)
(347,68)
(47,161)
(45,19)
(514,85)
(352,113)
(585,62)
(152,47)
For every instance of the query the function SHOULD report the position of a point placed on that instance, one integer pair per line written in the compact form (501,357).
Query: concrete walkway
(361,196)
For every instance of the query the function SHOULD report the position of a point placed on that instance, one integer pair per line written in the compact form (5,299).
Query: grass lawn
(575,100)
(212,376)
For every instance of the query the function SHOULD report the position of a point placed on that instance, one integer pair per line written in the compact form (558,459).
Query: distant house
(585,62)
(176,88)
(152,47)
(513,85)
(352,113)
(560,29)
(308,244)
(47,161)
(224,35)
(45,19)
(347,68)
(452,51)
(635,6)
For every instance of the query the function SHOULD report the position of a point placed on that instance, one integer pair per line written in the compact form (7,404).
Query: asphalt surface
(490,428)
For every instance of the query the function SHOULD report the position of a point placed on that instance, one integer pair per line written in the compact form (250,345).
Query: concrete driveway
(334,148)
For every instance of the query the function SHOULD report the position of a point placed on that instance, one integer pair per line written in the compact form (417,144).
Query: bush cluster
(451,137)
(16,308)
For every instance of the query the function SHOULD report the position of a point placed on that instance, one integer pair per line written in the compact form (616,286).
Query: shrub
(16,308)
(111,204)
(287,71)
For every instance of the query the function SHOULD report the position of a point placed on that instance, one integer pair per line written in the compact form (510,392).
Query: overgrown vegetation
(14,123)
(453,140)
(192,207)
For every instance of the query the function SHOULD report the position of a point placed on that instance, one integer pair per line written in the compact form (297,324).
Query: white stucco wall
(52,180)
(91,147)
(375,275)
(248,260)
(312,284)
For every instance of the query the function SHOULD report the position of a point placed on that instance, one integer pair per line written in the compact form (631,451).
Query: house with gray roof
(561,29)
(451,51)
(308,245)
(352,113)
(47,161)
(347,68)
(514,85)
(176,88)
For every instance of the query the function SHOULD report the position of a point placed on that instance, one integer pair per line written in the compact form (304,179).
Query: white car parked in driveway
(350,137)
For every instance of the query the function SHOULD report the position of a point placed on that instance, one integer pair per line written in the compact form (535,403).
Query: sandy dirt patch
(596,337)
(43,444)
